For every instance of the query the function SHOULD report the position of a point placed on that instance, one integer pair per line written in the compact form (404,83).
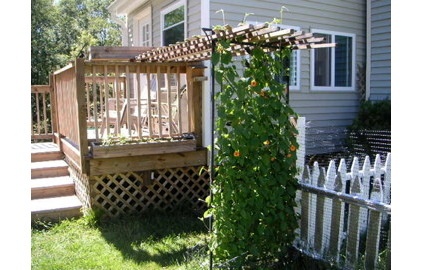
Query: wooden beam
(72,154)
(41,88)
(82,115)
(115,52)
(195,101)
(103,166)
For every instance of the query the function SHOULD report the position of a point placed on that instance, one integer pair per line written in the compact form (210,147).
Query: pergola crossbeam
(199,48)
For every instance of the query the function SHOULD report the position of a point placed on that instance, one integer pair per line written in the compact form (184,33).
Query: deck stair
(52,190)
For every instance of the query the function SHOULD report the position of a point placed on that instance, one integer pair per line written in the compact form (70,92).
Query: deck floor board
(44,147)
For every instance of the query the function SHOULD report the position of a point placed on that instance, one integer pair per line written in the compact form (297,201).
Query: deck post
(195,101)
(82,124)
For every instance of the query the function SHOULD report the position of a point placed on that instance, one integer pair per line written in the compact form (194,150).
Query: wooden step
(52,187)
(45,151)
(57,208)
(52,168)
(45,156)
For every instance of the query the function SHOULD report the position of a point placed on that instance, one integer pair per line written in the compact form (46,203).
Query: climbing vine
(255,186)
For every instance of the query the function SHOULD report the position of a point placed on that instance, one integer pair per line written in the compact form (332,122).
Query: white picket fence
(335,198)
(339,206)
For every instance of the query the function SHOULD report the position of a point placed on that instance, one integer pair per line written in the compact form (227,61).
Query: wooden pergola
(244,37)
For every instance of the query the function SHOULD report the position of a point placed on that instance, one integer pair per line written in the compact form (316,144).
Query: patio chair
(115,118)
(166,122)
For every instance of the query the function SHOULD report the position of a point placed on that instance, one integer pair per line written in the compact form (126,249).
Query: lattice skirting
(165,189)
(82,188)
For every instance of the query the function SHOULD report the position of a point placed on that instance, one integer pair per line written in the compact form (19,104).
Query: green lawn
(154,241)
(145,241)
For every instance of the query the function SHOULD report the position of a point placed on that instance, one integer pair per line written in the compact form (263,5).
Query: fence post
(365,181)
(336,221)
(352,247)
(312,204)
(319,214)
(304,214)
(374,228)
(328,207)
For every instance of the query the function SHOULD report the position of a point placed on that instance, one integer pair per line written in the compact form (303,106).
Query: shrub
(374,115)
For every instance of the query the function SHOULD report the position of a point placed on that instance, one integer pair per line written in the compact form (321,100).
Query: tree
(65,30)
(43,40)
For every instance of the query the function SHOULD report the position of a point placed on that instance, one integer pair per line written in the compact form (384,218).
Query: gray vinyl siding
(192,24)
(328,113)
(193,19)
(194,13)
(380,78)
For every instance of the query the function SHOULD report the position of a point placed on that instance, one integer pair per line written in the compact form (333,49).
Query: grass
(158,240)
(151,241)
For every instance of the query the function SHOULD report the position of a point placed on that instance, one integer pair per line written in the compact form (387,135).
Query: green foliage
(374,115)
(63,31)
(255,186)
(44,19)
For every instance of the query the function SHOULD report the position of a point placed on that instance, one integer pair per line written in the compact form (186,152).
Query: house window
(142,28)
(334,68)
(145,33)
(173,23)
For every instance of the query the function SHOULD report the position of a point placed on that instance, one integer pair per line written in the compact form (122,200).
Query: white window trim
(169,9)
(136,29)
(298,63)
(334,88)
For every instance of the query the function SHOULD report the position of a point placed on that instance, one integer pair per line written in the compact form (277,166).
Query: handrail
(69,88)
(41,110)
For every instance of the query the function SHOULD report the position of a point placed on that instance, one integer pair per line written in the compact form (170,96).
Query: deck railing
(95,101)
(41,113)
(69,104)
(137,101)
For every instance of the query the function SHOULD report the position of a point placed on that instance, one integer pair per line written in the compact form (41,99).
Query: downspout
(368,49)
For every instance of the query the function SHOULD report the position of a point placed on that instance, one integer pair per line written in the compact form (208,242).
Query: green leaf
(215,58)
(226,58)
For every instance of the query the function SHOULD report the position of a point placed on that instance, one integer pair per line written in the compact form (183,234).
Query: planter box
(140,149)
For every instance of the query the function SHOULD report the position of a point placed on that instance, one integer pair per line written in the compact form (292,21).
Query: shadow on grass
(165,238)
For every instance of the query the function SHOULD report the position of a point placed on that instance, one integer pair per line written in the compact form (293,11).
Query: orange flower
(292,148)
(254,83)
(236,153)
(289,155)
(263,94)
